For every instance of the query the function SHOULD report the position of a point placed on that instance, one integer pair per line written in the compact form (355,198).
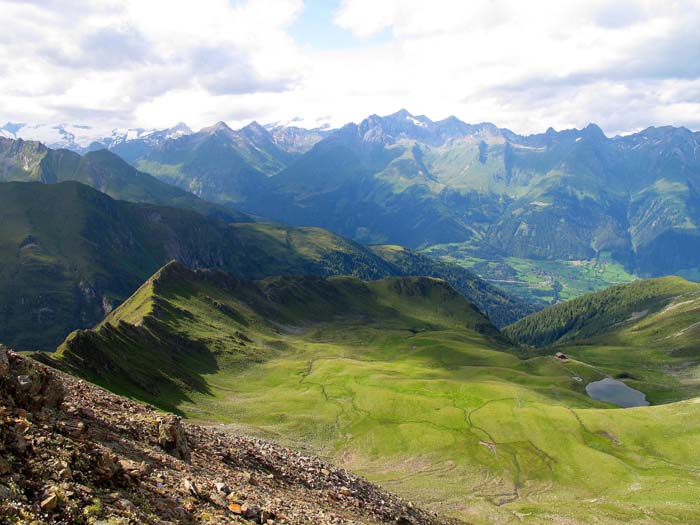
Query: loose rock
(49,504)
(133,464)
(4,362)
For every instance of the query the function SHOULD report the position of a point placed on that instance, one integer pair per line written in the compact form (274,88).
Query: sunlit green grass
(538,279)
(393,380)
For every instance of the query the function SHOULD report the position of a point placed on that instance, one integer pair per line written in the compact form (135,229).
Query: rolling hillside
(404,381)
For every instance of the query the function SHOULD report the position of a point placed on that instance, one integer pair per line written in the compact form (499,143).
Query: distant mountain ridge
(409,180)
(572,195)
(24,161)
(295,139)
(218,163)
(82,139)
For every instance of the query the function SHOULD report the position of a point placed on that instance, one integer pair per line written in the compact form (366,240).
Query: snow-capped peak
(417,122)
(83,138)
(319,123)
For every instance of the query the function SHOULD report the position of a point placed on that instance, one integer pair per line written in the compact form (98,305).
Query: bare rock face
(171,437)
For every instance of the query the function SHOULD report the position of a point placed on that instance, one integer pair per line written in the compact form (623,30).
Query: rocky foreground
(71,452)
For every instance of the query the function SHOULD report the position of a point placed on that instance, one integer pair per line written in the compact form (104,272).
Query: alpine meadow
(349,262)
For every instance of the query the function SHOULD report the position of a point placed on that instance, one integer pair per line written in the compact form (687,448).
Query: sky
(521,64)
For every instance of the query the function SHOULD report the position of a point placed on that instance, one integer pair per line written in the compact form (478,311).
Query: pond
(617,393)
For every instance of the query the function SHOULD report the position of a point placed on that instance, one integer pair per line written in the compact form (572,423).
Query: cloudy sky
(522,64)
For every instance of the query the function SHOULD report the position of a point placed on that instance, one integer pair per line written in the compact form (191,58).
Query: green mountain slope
(336,185)
(142,348)
(405,382)
(501,308)
(216,163)
(644,332)
(69,254)
(592,314)
(32,161)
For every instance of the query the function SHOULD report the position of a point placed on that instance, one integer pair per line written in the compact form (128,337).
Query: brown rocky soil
(71,452)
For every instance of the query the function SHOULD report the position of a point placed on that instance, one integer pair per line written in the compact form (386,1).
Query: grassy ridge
(69,254)
(140,349)
(404,381)
(594,313)
(497,304)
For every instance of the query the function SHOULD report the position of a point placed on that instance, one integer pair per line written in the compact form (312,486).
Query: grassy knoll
(405,382)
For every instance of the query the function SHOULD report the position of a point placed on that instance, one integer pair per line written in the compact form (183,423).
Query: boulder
(190,487)
(106,465)
(172,438)
(49,503)
(30,386)
(4,362)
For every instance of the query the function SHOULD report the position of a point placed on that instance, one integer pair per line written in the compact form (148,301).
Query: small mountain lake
(616,392)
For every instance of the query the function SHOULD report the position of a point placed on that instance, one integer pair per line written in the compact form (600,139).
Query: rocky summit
(74,453)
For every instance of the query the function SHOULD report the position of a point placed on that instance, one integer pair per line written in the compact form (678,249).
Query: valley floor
(468,431)
(537,281)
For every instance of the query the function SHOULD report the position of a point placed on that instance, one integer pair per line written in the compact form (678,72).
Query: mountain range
(82,138)
(411,370)
(404,179)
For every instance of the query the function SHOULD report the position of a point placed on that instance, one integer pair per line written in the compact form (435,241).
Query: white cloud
(112,61)
(528,65)
(624,64)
